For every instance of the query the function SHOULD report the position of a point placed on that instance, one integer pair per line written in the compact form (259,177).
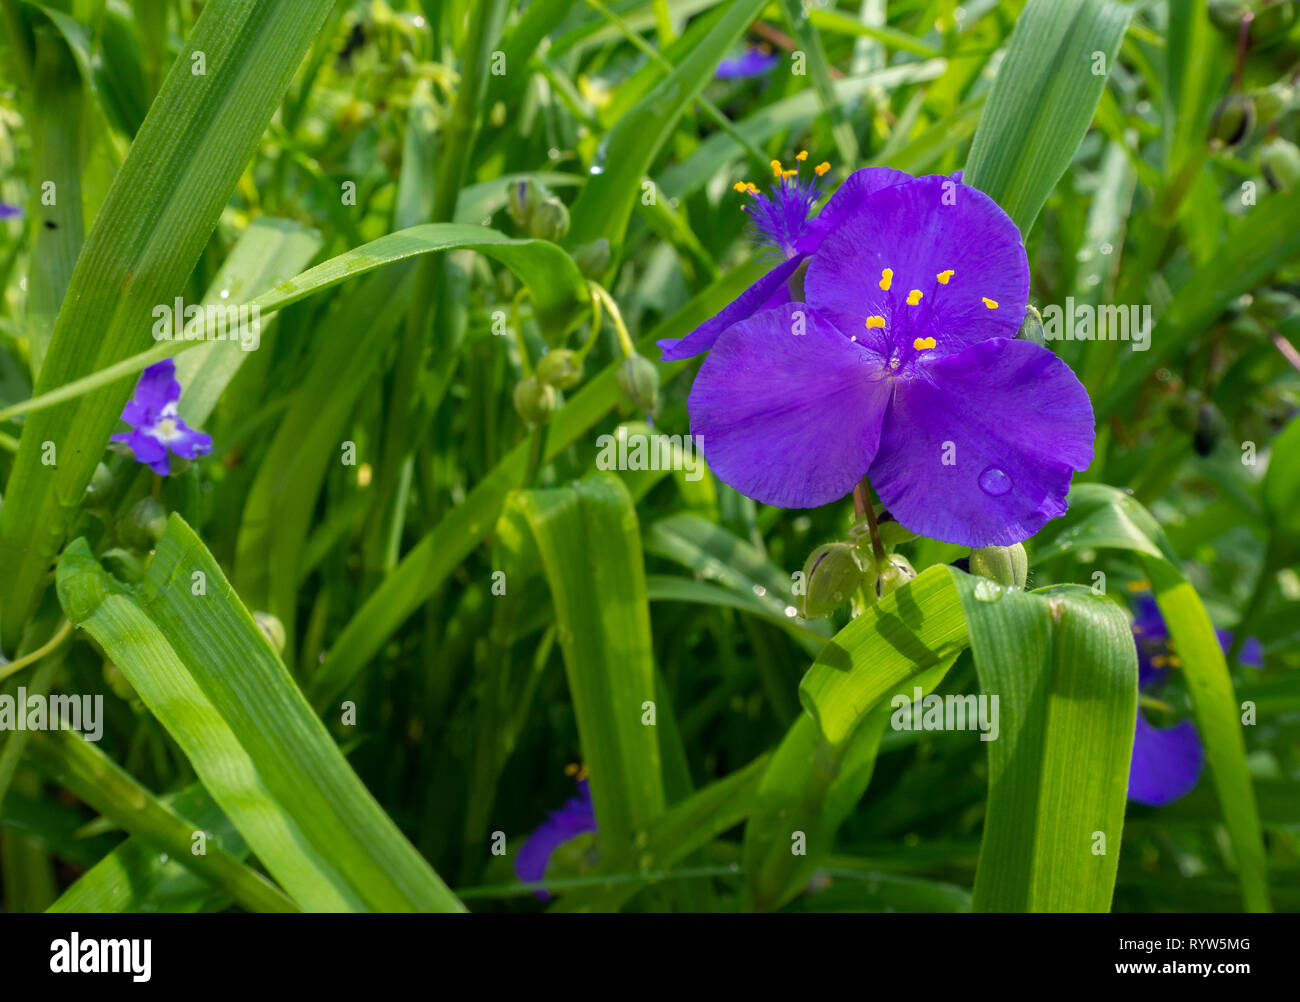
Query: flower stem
(53,643)
(862,507)
(515,326)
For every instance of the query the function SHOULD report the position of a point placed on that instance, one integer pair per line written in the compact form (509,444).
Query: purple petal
(788,419)
(147,450)
(920,230)
(978,448)
(157,388)
(191,444)
(859,185)
(1251,654)
(576,817)
(8,211)
(1166,763)
(754,63)
(746,305)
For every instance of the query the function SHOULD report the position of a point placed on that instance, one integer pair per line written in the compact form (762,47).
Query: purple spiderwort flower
(156,425)
(8,211)
(754,63)
(573,819)
(1167,762)
(901,364)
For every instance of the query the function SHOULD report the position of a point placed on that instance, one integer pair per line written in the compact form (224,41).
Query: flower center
(891,343)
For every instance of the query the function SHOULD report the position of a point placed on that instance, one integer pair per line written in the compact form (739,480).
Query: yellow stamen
(913,297)
(1143,585)
(886,277)
(1159,661)
(740,187)
(822,168)
(923,343)
(943,276)
(801,156)
(1175,661)
(875,322)
(992,304)
(789,173)
(776,168)
(751,188)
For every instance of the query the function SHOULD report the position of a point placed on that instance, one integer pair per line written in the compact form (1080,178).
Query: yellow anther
(923,343)
(822,168)
(886,277)
(776,168)
(1143,585)
(992,304)
(1159,661)
(751,188)
(801,156)
(740,186)
(1175,661)
(789,173)
(875,322)
(913,297)
(943,276)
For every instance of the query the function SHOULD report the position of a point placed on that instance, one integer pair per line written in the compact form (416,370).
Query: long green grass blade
(195,657)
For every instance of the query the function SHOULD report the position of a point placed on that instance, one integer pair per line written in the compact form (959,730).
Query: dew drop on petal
(994,482)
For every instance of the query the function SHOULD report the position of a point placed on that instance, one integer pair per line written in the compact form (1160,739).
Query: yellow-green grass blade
(197,660)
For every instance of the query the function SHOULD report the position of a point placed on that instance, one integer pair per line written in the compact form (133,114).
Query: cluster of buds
(537,396)
(536,211)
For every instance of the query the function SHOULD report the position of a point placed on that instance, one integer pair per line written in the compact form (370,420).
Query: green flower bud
(522,199)
(118,682)
(831,574)
(895,572)
(272,629)
(1227,14)
(1031,328)
(593,259)
(1210,426)
(124,565)
(1272,19)
(100,486)
(1007,565)
(1280,161)
(535,401)
(560,368)
(550,220)
(1273,306)
(1232,120)
(144,524)
(1273,102)
(638,378)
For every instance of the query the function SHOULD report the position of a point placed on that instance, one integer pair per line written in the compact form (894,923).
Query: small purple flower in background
(1167,762)
(754,63)
(783,227)
(900,364)
(8,211)
(573,819)
(156,423)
